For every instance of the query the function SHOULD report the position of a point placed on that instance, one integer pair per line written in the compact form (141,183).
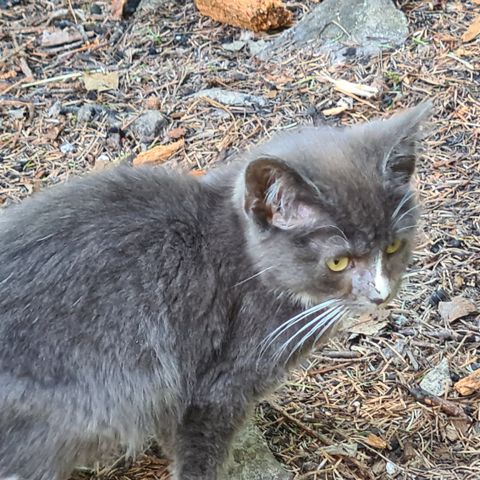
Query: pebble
(437,381)
(87,112)
(67,148)
(95,9)
(437,296)
(390,468)
(149,125)
(55,110)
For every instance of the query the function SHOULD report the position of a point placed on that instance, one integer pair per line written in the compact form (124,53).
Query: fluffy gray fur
(139,304)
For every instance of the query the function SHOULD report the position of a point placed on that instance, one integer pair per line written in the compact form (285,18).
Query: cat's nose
(377,300)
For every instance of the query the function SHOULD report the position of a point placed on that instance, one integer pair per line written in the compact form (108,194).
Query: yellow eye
(338,264)
(394,246)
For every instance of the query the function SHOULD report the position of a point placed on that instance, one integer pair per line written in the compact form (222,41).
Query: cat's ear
(277,195)
(403,133)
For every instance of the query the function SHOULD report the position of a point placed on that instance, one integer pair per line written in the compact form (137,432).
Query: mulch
(355,410)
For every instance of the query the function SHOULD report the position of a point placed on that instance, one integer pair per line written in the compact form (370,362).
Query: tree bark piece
(469,384)
(256,15)
(158,154)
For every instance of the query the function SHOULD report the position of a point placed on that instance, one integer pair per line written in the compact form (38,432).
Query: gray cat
(137,303)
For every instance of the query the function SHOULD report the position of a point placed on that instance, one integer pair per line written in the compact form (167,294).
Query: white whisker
(270,338)
(327,321)
(253,276)
(405,228)
(405,213)
(326,327)
(408,195)
(343,236)
(322,318)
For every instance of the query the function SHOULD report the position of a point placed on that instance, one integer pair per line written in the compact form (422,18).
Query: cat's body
(141,303)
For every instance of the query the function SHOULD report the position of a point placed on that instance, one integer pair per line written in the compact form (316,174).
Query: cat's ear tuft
(276,195)
(405,131)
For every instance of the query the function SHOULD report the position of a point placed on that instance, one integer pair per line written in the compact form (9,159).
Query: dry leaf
(8,75)
(473,30)
(158,154)
(177,133)
(357,89)
(369,323)
(278,80)
(375,441)
(53,132)
(117,8)
(334,110)
(457,308)
(152,103)
(344,449)
(271,93)
(54,38)
(101,164)
(101,81)
(469,384)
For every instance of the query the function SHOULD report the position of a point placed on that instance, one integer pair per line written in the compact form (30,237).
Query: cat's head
(330,213)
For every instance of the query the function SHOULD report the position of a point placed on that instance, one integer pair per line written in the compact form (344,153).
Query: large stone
(345,28)
(252,459)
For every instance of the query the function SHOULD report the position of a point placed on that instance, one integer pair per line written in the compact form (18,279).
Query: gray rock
(255,47)
(149,125)
(437,381)
(234,99)
(252,459)
(345,28)
(87,112)
(55,110)
(235,46)
(16,113)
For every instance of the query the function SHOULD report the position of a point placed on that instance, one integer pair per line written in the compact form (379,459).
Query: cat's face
(330,212)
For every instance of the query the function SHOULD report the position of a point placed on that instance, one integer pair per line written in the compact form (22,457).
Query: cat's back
(82,264)
(119,192)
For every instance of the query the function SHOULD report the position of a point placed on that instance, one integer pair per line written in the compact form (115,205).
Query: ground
(354,411)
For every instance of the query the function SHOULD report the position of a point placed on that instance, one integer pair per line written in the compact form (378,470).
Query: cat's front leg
(203,441)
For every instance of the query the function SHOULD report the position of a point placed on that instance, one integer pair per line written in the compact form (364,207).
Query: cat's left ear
(277,195)
(403,134)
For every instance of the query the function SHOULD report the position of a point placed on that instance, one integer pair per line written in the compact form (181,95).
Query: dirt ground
(355,410)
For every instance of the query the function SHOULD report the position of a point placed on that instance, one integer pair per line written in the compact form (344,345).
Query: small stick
(300,424)
(446,406)
(67,76)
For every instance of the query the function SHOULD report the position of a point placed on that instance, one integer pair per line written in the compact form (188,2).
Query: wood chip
(457,308)
(473,30)
(469,384)
(158,154)
(256,15)
(334,110)
(357,89)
